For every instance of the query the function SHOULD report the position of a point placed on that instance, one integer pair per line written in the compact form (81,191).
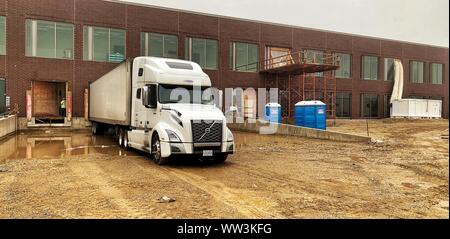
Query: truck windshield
(176,94)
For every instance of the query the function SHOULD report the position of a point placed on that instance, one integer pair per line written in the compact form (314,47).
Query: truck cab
(173,112)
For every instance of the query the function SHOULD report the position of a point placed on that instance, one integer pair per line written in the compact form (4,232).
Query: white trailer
(416,108)
(161,106)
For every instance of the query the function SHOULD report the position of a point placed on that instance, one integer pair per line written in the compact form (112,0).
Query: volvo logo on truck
(162,115)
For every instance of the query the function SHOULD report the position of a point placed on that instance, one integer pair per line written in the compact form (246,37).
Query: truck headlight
(230,136)
(173,137)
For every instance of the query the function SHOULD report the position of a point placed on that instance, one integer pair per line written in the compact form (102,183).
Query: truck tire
(156,151)
(120,138)
(220,159)
(95,128)
(126,146)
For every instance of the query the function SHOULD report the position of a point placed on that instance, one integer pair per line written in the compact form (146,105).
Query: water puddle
(43,145)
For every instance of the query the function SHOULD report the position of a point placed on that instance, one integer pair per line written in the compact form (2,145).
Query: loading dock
(45,101)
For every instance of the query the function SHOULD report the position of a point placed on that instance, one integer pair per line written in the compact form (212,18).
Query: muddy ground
(75,175)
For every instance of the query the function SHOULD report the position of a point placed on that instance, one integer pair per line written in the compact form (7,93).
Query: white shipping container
(416,108)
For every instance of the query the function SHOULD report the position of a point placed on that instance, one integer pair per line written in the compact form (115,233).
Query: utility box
(416,108)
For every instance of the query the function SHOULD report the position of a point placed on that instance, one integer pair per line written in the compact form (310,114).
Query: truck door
(138,122)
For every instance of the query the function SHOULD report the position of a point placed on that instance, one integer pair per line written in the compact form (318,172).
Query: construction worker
(62,109)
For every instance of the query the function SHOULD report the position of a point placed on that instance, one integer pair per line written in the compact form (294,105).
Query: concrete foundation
(291,130)
(8,125)
(74,124)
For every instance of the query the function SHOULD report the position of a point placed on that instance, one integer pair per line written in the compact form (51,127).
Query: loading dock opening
(49,106)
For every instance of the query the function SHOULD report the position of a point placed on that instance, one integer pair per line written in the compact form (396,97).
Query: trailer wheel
(156,151)
(95,128)
(125,140)
(120,137)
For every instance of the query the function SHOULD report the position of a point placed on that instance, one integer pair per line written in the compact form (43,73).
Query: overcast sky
(420,21)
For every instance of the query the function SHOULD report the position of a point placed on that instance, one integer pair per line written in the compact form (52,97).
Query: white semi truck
(165,107)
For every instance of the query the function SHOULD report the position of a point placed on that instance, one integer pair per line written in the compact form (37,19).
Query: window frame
(363,68)
(350,65)
(232,57)
(385,73)
(145,39)
(411,70)
(33,42)
(442,73)
(188,52)
(350,98)
(362,105)
(90,43)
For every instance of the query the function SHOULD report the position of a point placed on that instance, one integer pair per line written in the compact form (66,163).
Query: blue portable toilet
(273,112)
(311,114)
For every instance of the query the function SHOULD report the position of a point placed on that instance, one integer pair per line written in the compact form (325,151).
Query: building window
(436,73)
(277,57)
(416,72)
(243,57)
(48,39)
(103,44)
(159,45)
(345,62)
(343,104)
(389,69)
(369,105)
(387,106)
(202,51)
(315,57)
(370,68)
(2,35)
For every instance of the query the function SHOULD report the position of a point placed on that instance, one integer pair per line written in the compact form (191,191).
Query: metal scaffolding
(300,76)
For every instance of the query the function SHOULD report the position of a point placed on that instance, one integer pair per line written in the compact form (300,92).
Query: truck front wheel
(156,151)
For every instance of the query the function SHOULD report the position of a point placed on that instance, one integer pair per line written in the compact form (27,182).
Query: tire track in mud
(240,200)
(92,174)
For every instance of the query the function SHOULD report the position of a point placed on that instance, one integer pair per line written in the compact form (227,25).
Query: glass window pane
(198,51)
(143,53)
(389,69)
(170,46)
(45,39)
(344,67)
(241,57)
(86,43)
(211,54)
(28,50)
(155,45)
(100,44)
(64,41)
(374,68)
(187,48)
(252,58)
(117,45)
(2,35)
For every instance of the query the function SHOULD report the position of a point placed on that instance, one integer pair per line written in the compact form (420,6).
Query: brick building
(51,49)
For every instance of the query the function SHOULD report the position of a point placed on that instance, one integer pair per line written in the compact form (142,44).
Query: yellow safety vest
(63,104)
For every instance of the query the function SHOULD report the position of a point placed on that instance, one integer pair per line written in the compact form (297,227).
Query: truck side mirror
(149,97)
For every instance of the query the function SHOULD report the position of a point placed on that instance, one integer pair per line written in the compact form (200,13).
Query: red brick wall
(20,70)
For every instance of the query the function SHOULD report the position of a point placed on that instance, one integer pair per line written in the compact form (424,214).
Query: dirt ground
(405,174)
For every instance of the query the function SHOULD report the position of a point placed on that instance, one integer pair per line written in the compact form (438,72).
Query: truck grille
(207,132)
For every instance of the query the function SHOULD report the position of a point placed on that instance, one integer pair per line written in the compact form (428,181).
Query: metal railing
(301,57)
